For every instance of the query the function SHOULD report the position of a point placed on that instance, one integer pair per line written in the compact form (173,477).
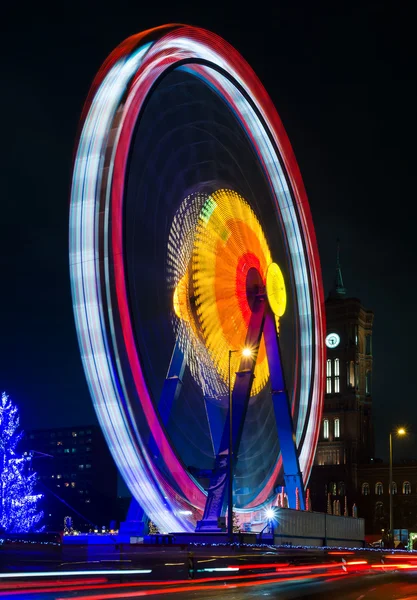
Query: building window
(351,374)
(337,428)
(74,434)
(336,375)
(66,450)
(394,488)
(379,510)
(329,377)
(341,488)
(368,345)
(406,487)
(326,429)
(333,488)
(368,383)
(379,489)
(365,489)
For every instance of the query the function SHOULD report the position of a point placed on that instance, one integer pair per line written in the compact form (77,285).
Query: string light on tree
(18,502)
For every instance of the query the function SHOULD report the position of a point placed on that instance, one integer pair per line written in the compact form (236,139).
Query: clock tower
(346,435)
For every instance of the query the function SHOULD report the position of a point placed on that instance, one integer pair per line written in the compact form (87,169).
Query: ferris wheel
(196,282)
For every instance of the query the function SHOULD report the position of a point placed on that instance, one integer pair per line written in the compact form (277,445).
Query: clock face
(332,340)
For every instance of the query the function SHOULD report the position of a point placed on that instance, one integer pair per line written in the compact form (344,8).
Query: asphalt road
(351,580)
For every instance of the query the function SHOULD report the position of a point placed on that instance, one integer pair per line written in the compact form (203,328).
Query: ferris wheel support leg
(220,480)
(170,391)
(282,409)
(172,383)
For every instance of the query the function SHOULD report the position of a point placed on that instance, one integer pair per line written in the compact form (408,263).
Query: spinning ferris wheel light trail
(191,237)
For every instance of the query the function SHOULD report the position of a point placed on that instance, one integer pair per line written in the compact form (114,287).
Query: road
(353,577)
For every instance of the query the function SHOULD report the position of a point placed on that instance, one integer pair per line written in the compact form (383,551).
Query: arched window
(341,488)
(394,488)
(337,428)
(365,489)
(379,489)
(336,375)
(333,488)
(379,510)
(351,374)
(406,487)
(329,376)
(326,429)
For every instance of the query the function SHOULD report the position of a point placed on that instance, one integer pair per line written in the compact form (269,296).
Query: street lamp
(400,432)
(246,352)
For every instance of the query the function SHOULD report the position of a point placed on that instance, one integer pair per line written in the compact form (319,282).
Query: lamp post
(245,352)
(400,432)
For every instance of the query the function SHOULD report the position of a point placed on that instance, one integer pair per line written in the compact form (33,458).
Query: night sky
(343,79)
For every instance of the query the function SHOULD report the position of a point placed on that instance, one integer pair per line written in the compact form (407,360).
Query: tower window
(365,489)
(337,428)
(351,374)
(326,429)
(329,376)
(379,489)
(406,487)
(336,375)
(368,383)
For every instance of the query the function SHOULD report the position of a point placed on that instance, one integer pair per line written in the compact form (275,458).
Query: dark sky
(343,78)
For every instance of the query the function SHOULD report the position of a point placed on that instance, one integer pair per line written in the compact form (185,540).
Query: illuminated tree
(152,528)
(18,502)
(236,523)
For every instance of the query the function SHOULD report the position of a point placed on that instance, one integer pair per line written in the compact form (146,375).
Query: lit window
(59,443)
(336,376)
(406,487)
(73,450)
(74,434)
(337,428)
(87,501)
(58,476)
(72,484)
(81,466)
(394,487)
(379,489)
(329,377)
(66,450)
(326,429)
(333,488)
(88,466)
(66,484)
